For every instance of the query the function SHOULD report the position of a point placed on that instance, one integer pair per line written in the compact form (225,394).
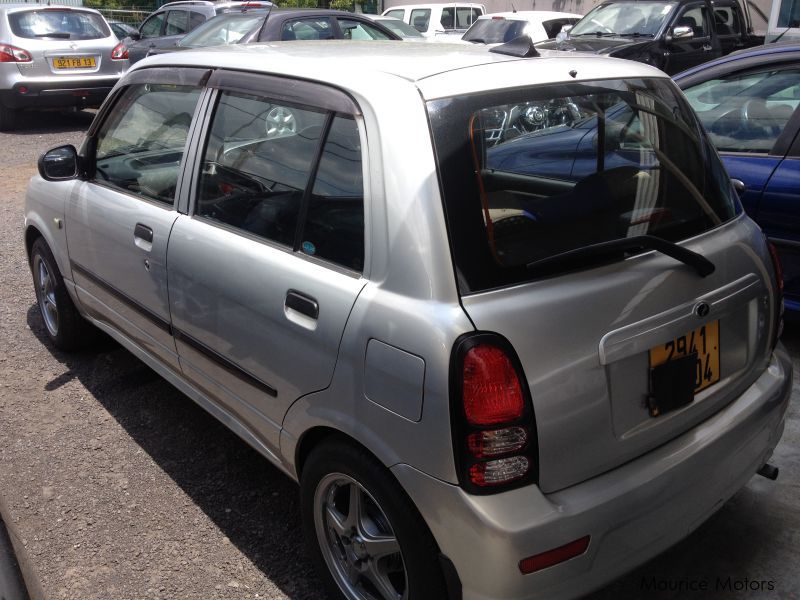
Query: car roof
(437,4)
(527,15)
(751,57)
(22,6)
(291,12)
(437,70)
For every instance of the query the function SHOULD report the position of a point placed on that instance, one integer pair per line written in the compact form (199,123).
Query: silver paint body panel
(635,485)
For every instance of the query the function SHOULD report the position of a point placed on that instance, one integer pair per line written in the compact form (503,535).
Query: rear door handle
(303,304)
(143,237)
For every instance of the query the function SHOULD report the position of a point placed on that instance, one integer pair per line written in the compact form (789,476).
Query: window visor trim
(286,89)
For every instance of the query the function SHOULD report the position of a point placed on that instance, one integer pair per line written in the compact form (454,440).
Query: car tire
(8,118)
(354,552)
(64,325)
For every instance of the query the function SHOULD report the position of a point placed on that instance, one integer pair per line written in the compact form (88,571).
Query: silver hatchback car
(55,57)
(502,318)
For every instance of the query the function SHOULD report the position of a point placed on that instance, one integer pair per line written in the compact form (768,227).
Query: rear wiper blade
(596,254)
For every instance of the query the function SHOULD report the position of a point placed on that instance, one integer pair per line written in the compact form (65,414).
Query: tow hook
(769,471)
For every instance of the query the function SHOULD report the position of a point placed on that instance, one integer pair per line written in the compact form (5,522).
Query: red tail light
(9,53)
(120,52)
(493,428)
(492,393)
(776,264)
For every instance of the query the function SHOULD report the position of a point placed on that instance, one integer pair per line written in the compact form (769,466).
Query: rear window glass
(55,23)
(529,174)
(495,31)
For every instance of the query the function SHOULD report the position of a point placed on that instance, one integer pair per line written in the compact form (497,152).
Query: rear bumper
(55,94)
(631,513)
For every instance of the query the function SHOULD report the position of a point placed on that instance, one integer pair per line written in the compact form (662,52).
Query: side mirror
(136,36)
(681,32)
(59,164)
(565,28)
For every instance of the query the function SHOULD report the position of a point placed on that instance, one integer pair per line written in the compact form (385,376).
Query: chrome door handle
(707,48)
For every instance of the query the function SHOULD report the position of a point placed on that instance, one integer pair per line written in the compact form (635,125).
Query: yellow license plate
(704,341)
(74,62)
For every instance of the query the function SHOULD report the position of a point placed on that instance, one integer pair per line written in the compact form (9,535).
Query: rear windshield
(48,23)
(528,174)
(495,31)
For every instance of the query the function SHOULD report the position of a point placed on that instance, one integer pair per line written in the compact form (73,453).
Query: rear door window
(541,172)
(307,29)
(397,14)
(420,18)
(466,16)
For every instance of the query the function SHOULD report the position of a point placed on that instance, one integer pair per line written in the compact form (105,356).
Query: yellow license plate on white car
(704,342)
(74,62)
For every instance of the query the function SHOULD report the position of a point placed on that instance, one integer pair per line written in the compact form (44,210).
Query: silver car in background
(502,318)
(55,57)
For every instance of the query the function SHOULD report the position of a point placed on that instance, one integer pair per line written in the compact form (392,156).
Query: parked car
(222,30)
(166,25)
(499,28)
(54,57)
(452,19)
(318,24)
(783,24)
(121,29)
(401,28)
(672,35)
(322,258)
(748,103)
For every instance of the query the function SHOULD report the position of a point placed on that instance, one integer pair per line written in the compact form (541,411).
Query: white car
(433,20)
(498,28)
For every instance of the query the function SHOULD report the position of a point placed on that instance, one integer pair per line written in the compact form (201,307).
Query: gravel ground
(117,486)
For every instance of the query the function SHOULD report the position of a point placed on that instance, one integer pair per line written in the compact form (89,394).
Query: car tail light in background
(776,264)
(494,434)
(120,52)
(9,53)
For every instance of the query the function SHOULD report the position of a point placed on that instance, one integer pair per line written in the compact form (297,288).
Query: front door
(267,266)
(119,221)
(685,53)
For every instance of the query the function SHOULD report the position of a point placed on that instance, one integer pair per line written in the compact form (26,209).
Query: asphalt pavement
(114,485)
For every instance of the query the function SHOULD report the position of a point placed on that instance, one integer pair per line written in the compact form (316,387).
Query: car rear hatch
(579,259)
(64,42)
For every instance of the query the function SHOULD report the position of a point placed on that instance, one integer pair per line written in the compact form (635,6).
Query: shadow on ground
(748,542)
(251,502)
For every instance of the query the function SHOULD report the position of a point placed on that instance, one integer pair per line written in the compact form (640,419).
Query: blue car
(749,102)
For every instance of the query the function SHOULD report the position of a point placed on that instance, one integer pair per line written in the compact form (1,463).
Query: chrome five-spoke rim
(357,541)
(47,297)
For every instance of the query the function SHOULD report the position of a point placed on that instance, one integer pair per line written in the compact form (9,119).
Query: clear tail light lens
(496,442)
(500,471)
(9,53)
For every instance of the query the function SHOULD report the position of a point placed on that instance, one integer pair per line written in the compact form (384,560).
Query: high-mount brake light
(494,435)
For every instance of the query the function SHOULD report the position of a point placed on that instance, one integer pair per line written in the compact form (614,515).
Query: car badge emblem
(702,310)
(73,45)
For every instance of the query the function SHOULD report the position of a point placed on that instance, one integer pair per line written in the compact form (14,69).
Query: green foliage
(298,3)
(342,4)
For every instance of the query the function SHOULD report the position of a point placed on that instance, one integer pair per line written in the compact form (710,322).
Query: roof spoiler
(521,47)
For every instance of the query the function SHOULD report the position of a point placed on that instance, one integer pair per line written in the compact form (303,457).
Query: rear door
(119,221)
(264,271)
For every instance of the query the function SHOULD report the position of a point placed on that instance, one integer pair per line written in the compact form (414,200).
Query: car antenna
(521,47)
(513,8)
(791,26)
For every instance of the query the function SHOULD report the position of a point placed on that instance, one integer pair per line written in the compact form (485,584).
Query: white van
(438,19)
(784,21)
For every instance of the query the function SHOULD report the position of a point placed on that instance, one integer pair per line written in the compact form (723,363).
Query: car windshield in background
(401,28)
(496,30)
(624,18)
(222,30)
(528,175)
(58,23)
(747,112)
